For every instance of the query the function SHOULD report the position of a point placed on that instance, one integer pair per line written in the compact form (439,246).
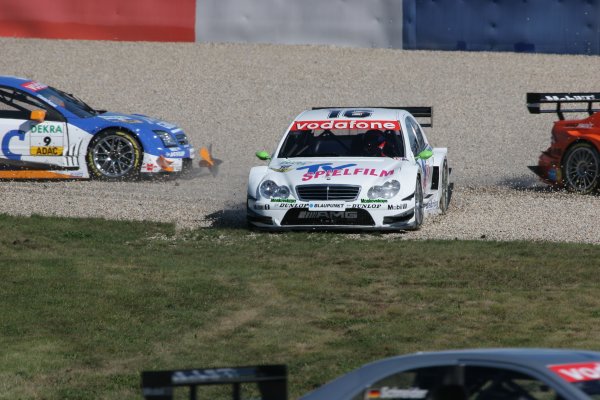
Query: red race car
(573,159)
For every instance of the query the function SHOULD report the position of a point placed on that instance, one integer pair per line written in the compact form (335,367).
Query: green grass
(86,305)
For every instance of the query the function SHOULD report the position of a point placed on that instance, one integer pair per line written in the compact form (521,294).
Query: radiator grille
(327,192)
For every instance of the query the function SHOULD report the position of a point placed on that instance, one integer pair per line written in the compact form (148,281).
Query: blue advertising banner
(541,26)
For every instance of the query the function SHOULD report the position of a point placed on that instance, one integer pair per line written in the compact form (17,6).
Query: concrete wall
(361,23)
(546,26)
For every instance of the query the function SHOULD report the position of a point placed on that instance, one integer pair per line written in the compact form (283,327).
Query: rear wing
(271,381)
(537,101)
(419,113)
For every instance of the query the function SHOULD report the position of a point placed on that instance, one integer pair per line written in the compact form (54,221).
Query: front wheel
(114,155)
(581,168)
(444,189)
(419,206)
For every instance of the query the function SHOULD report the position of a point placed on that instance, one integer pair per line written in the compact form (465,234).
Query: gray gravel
(240,98)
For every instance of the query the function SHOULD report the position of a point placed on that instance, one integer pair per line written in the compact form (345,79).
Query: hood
(137,121)
(345,171)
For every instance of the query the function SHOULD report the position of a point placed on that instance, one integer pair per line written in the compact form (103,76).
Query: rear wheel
(444,189)
(114,155)
(419,206)
(581,168)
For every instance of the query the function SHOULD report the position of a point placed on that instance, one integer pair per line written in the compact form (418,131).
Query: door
(418,143)
(25,142)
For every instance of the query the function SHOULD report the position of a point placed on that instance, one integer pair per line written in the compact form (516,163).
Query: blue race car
(480,374)
(46,133)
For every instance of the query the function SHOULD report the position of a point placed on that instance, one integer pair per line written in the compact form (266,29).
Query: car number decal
(46,139)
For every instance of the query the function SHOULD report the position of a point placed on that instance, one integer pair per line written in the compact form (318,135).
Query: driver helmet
(374,142)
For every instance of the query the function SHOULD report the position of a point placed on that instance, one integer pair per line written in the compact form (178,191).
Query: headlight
(385,191)
(167,139)
(269,189)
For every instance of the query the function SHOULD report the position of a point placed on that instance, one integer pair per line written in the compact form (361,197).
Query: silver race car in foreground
(480,374)
(351,168)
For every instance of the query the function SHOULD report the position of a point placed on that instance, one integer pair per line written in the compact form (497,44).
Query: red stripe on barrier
(152,20)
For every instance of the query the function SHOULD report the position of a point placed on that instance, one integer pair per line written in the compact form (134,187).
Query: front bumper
(293,215)
(548,169)
(169,162)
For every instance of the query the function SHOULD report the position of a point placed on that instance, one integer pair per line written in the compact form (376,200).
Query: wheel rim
(114,156)
(582,169)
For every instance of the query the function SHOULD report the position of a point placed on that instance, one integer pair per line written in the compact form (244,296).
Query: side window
(459,383)
(421,383)
(418,134)
(412,137)
(420,138)
(15,104)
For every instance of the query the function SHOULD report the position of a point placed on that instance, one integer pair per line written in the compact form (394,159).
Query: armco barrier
(152,20)
(543,26)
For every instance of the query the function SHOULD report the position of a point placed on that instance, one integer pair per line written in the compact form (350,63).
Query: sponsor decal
(276,200)
(327,214)
(150,167)
(570,98)
(396,393)
(326,206)
(373,201)
(46,139)
(578,372)
(262,207)
(287,166)
(316,171)
(585,126)
(203,375)
(34,86)
(397,206)
(291,205)
(366,206)
(46,151)
(314,168)
(176,154)
(345,124)
(46,128)
(121,118)
(430,205)
(160,123)
(20,135)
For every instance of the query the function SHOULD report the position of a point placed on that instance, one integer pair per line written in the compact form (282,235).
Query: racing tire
(581,168)
(114,155)
(444,189)
(419,206)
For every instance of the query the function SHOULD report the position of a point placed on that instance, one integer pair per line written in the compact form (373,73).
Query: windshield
(68,101)
(343,142)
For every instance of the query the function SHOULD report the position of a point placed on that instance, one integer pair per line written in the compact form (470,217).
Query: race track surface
(241,98)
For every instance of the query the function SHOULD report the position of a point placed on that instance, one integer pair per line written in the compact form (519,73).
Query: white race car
(351,168)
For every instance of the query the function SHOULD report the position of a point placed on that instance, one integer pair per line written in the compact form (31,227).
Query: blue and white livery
(46,133)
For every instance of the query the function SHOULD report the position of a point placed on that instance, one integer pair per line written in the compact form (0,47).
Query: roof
(13,80)
(377,114)
(535,359)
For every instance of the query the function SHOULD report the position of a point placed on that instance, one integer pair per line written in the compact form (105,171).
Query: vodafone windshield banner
(578,372)
(345,124)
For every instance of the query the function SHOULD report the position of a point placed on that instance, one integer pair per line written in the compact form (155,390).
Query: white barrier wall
(358,23)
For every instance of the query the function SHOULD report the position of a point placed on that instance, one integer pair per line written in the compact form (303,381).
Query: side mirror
(263,155)
(424,155)
(38,115)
